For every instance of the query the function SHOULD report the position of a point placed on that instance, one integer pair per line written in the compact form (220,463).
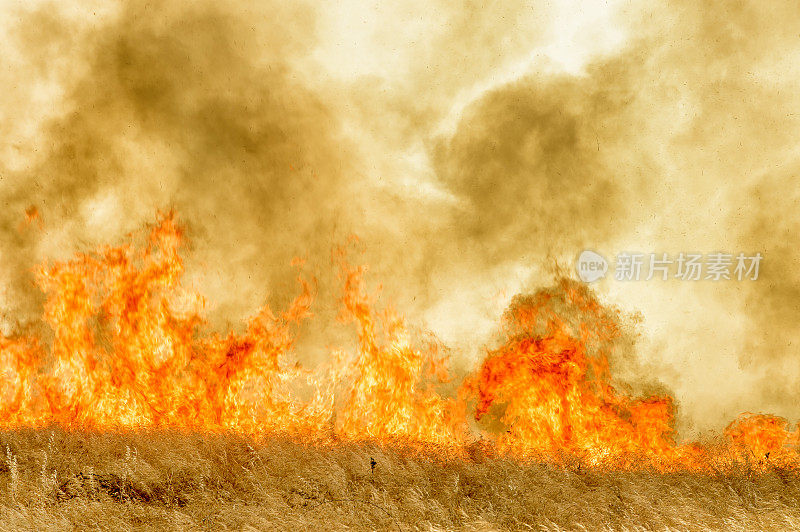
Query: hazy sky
(469,145)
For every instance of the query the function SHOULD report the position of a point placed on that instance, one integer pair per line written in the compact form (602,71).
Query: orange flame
(127,349)
(552,379)
(391,395)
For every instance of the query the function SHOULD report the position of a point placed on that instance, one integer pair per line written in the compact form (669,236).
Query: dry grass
(55,480)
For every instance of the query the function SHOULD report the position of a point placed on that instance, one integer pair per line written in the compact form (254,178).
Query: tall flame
(123,354)
(391,394)
(552,377)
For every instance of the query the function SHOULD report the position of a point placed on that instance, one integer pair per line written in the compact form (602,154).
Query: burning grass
(51,479)
(123,346)
(121,409)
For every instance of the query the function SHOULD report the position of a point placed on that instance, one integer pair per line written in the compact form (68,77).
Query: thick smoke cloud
(194,109)
(469,147)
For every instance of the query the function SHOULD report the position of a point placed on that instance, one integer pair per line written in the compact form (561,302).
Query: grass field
(57,480)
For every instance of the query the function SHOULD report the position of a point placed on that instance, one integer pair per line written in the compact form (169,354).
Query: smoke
(190,108)
(469,147)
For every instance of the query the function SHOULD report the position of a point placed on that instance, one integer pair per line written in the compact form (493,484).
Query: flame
(125,346)
(392,394)
(553,381)
(764,439)
(126,354)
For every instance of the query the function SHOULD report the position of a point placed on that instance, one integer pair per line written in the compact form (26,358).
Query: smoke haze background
(469,146)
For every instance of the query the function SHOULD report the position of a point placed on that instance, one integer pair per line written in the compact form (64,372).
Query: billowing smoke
(470,147)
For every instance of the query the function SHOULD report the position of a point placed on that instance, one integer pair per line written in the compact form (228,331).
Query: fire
(763,438)
(552,378)
(391,394)
(124,346)
(125,354)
